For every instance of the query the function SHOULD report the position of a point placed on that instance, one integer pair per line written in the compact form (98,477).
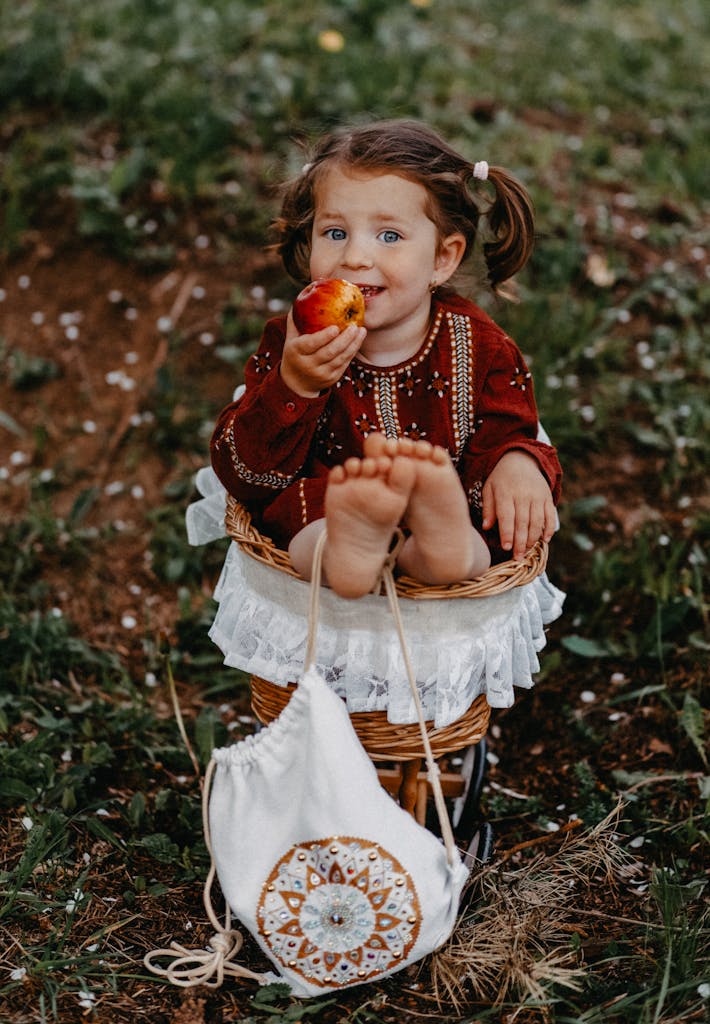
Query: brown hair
(414,151)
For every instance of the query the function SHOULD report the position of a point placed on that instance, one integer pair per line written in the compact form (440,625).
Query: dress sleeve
(262,440)
(506,419)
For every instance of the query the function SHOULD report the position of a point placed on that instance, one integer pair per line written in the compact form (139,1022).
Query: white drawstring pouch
(337,883)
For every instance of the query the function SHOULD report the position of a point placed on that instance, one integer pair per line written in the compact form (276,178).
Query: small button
(290,406)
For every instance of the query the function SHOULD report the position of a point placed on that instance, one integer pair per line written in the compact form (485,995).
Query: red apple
(328,301)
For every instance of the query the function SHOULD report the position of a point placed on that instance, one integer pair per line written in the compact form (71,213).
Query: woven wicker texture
(382,740)
(497,579)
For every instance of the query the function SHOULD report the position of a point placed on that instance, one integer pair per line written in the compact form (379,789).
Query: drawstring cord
(210,966)
(433,771)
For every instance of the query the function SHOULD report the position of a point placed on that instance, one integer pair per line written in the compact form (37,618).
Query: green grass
(128,122)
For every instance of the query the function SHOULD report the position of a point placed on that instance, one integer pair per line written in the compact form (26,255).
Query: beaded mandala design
(338,911)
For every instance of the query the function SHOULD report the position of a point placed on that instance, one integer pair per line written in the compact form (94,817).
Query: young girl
(424,418)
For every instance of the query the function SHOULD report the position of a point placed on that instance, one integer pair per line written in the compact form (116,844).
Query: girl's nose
(356,254)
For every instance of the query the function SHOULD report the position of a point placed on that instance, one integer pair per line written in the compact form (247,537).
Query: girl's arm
(261,442)
(510,476)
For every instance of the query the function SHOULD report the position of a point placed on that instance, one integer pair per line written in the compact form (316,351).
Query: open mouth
(369,290)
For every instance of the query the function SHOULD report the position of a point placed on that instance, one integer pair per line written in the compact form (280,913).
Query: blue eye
(335,234)
(390,236)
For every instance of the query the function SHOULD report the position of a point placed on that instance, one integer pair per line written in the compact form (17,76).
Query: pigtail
(511,223)
(292,228)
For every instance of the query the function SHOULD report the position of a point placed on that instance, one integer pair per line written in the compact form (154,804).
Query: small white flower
(131,358)
(66,756)
(18,458)
(623,316)
(150,679)
(588,413)
(258,292)
(704,990)
(587,696)
(3,294)
(72,332)
(115,295)
(617,678)
(164,324)
(137,492)
(92,948)
(103,813)
(637,842)
(552,826)
(127,383)
(23,282)
(18,973)
(198,292)
(664,540)
(492,758)
(86,999)
(46,475)
(114,487)
(206,338)
(89,427)
(647,362)
(27,823)
(129,621)
(131,313)
(37,318)
(150,227)
(202,242)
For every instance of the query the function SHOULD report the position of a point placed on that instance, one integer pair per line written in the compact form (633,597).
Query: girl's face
(372,229)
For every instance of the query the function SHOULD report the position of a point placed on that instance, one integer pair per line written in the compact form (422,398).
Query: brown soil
(99,320)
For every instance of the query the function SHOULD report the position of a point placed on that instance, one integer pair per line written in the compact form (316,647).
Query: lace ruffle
(459,648)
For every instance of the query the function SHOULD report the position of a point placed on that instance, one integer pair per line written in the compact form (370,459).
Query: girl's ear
(450,254)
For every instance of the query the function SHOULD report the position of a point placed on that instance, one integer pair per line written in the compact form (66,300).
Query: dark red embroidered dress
(467,389)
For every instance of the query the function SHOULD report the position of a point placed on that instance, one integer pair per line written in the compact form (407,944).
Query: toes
(375,444)
(423,450)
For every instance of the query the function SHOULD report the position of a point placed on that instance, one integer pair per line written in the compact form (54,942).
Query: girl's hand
(517,495)
(312,362)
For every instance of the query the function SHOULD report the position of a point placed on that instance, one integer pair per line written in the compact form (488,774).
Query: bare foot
(364,503)
(444,547)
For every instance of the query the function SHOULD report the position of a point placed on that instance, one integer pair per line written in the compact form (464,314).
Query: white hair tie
(480,170)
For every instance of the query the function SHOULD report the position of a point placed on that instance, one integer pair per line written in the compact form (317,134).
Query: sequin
(349,909)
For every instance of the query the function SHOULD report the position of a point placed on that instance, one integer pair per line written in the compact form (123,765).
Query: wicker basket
(494,581)
(383,740)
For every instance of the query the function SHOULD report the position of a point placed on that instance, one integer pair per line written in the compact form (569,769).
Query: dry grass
(513,941)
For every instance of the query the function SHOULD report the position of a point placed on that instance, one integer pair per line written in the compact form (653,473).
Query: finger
(536,525)
(344,346)
(522,524)
(550,521)
(488,508)
(316,342)
(506,525)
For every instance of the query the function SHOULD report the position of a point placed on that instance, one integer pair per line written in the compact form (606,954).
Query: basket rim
(384,740)
(497,579)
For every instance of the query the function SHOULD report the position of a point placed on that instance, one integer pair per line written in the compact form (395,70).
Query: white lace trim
(460,647)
